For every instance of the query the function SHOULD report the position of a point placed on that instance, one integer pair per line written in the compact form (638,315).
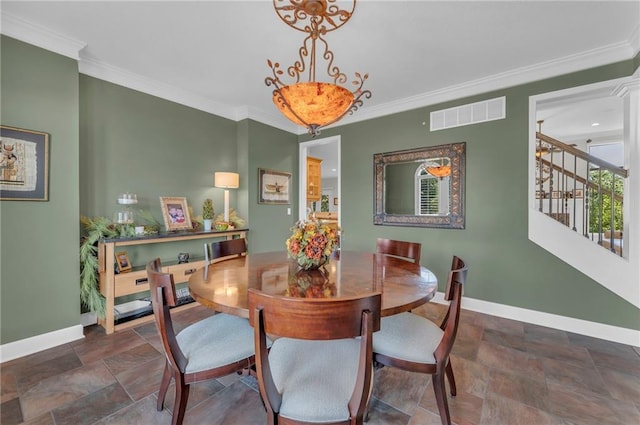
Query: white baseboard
(578,326)
(24,347)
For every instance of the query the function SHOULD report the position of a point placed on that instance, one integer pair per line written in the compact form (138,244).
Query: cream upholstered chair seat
(413,343)
(216,341)
(316,378)
(409,337)
(320,368)
(208,349)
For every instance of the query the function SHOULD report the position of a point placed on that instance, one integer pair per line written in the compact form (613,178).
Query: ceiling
(212,55)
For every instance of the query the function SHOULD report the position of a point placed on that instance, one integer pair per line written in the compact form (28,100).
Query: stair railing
(573,188)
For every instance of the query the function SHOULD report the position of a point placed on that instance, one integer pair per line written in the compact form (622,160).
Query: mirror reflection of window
(432,193)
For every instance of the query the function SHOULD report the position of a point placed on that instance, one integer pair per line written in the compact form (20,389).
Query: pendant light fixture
(441,171)
(314,104)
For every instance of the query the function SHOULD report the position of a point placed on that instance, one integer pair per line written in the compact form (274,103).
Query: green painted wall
(106,139)
(273,149)
(506,267)
(135,142)
(131,141)
(39,264)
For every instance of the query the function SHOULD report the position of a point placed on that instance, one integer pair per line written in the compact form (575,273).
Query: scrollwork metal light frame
(314,104)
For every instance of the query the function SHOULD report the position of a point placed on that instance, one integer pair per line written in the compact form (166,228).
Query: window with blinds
(429,196)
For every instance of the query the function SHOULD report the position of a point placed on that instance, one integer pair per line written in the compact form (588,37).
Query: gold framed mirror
(423,187)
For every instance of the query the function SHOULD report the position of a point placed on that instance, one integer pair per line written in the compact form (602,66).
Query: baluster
(540,182)
(551,184)
(587,205)
(600,206)
(612,224)
(563,192)
(575,175)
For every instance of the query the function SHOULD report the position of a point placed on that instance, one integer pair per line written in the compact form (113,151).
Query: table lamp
(226,181)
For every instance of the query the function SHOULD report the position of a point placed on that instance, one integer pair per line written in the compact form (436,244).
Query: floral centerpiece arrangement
(311,243)
(311,284)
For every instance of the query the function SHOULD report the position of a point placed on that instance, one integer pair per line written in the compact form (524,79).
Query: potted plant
(207,214)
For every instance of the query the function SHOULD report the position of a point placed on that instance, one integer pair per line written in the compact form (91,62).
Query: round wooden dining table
(223,286)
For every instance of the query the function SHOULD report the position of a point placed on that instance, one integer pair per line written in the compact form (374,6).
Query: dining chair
(414,343)
(208,349)
(406,250)
(317,371)
(227,248)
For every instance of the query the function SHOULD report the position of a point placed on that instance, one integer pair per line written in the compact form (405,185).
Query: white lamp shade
(227,180)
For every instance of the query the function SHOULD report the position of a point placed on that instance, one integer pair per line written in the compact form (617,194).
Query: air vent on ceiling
(472,113)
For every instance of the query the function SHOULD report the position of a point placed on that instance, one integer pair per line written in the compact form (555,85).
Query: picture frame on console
(122,262)
(175,213)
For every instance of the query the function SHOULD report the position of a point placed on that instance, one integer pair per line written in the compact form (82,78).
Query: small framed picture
(335,201)
(274,187)
(579,193)
(122,262)
(175,212)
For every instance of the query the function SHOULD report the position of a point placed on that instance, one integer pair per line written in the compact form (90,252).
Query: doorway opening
(327,198)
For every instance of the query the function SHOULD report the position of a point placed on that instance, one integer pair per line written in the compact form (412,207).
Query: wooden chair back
(228,248)
(163,297)
(407,250)
(455,284)
(300,318)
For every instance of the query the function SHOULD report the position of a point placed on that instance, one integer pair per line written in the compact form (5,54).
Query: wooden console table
(114,285)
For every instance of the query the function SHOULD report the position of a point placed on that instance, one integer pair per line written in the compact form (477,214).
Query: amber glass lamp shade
(440,172)
(313,103)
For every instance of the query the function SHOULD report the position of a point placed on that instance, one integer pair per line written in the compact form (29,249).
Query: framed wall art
(175,212)
(274,187)
(24,165)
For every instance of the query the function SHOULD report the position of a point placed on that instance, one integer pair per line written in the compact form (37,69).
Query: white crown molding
(47,39)
(271,119)
(37,35)
(634,40)
(94,68)
(577,62)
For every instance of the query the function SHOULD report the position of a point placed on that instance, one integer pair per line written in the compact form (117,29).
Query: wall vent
(472,113)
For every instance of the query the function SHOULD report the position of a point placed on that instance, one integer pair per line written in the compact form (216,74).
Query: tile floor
(507,372)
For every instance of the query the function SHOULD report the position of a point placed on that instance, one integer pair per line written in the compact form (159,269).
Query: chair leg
(164,386)
(450,377)
(441,398)
(180,403)
(367,409)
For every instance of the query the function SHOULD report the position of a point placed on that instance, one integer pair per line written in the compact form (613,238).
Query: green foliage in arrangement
(207,209)
(95,229)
